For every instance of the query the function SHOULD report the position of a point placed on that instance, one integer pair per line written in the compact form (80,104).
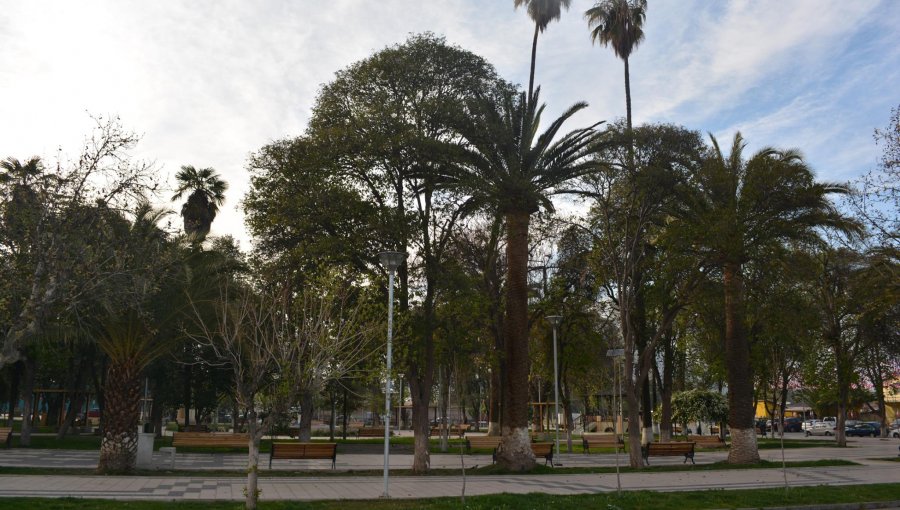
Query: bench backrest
(304,450)
(209,439)
(541,449)
(676,448)
(5,431)
(483,441)
(706,439)
(371,432)
(600,438)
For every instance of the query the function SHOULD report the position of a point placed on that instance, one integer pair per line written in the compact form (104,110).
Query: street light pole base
(385,496)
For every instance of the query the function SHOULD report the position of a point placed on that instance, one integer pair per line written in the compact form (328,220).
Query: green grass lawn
(644,500)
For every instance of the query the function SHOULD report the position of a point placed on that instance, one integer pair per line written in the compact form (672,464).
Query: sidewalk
(172,486)
(370,487)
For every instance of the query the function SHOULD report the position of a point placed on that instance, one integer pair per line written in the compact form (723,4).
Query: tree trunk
(118,447)
(307,404)
(345,404)
(186,395)
(332,418)
(252,490)
(665,427)
(514,452)
(420,395)
(14,392)
(28,398)
(156,417)
(634,415)
(494,404)
(627,96)
(444,392)
(741,414)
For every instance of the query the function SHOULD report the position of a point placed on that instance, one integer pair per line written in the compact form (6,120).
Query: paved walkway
(862,451)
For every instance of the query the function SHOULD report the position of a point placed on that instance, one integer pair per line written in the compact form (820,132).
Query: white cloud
(207,82)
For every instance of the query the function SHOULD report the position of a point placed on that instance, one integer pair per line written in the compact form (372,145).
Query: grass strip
(643,500)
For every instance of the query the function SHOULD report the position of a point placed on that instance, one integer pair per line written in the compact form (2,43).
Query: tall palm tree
(512,169)
(619,23)
(735,211)
(542,12)
(207,193)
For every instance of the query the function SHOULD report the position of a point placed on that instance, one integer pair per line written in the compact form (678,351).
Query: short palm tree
(734,211)
(135,325)
(542,12)
(619,23)
(206,193)
(512,169)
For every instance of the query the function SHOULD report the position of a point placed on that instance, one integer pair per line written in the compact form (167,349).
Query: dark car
(793,425)
(862,430)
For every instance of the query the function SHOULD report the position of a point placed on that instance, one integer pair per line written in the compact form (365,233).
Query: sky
(208,82)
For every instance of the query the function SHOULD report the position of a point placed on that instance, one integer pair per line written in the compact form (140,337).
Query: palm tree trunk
(737,362)
(515,451)
(533,60)
(118,448)
(627,96)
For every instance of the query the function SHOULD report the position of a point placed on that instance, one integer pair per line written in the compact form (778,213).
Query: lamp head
(391,260)
(554,320)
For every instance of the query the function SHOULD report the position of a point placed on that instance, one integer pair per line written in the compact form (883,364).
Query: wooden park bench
(599,440)
(6,436)
(286,450)
(484,443)
(371,432)
(208,440)
(708,441)
(459,430)
(544,450)
(685,448)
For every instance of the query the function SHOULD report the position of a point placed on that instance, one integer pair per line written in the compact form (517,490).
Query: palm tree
(542,12)
(207,193)
(735,211)
(510,168)
(135,325)
(619,23)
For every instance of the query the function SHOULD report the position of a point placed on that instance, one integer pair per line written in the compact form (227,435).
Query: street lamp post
(391,260)
(555,321)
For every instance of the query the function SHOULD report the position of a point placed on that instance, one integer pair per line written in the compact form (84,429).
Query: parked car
(895,431)
(862,430)
(793,425)
(820,428)
(808,424)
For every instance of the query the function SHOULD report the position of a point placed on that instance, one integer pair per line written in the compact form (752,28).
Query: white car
(820,428)
(895,431)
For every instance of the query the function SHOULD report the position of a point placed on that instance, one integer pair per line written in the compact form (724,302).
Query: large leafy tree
(367,177)
(542,12)
(620,24)
(206,192)
(735,210)
(645,278)
(512,168)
